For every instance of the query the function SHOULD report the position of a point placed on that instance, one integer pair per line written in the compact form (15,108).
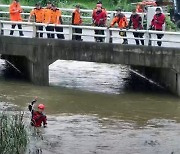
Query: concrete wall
(166,77)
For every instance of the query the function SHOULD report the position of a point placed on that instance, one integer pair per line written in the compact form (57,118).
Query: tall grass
(13,135)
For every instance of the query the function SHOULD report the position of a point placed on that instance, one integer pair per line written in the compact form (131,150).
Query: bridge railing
(111,35)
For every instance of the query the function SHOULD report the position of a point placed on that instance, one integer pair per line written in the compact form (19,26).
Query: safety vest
(15,12)
(47,15)
(136,20)
(158,21)
(39,14)
(99,17)
(76,18)
(38,118)
(121,21)
(55,16)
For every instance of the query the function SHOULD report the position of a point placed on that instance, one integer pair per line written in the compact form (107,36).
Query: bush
(170,25)
(13,135)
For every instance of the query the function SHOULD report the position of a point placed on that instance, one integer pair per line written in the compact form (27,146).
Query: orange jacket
(39,15)
(55,16)
(76,18)
(15,12)
(121,21)
(47,15)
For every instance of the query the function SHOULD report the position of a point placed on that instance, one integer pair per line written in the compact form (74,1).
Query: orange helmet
(41,106)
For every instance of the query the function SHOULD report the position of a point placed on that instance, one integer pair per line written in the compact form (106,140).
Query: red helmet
(41,106)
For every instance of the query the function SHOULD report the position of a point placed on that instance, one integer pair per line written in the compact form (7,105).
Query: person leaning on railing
(76,20)
(136,22)
(121,20)
(47,19)
(157,23)
(15,11)
(99,17)
(57,20)
(38,14)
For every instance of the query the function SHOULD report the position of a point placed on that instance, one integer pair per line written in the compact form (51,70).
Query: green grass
(13,135)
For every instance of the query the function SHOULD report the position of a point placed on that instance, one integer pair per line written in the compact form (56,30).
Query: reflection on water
(99,108)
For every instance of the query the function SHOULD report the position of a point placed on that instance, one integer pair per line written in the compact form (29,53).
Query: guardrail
(110,35)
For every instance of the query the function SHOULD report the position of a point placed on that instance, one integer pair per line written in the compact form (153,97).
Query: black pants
(123,34)
(59,29)
(99,32)
(50,28)
(138,35)
(159,36)
(19,27)
(77,37)
(2,32)
(40,28)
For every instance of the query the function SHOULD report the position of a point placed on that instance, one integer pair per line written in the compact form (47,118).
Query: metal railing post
(147,38)
(34,30)
(107,36)
(111,16)
(1,32)
(70,32)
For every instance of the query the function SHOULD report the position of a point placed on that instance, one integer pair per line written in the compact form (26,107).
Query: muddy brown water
(96,109)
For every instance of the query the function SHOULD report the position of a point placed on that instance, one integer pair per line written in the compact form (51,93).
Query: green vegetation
(86,4)
(13,135)
(170,25)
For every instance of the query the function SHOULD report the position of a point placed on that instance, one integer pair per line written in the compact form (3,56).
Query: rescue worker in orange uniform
(38,13)
(15,11)
(38,117)
(47,19)
(99,17)
(76,20)
(121,20)
(57,20)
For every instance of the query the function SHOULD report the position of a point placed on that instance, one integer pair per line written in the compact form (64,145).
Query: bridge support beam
(171,79)
(39,73)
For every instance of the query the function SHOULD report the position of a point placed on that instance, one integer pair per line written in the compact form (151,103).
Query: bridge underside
(160,63)
(166,77)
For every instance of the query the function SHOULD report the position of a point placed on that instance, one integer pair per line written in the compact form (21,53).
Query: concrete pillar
(178,83)
(39,73)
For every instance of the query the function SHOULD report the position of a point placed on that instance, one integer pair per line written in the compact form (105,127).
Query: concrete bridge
(34,55)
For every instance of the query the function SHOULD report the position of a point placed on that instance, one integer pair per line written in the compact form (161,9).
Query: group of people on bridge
(52,15)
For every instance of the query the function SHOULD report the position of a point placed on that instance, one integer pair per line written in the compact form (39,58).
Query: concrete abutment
(166,77)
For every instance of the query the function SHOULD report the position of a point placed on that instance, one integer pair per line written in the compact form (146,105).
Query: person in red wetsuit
(157,23)
(38,117)
(99,17)
(136,22)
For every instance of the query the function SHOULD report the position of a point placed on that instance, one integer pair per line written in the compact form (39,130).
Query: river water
(96,109)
